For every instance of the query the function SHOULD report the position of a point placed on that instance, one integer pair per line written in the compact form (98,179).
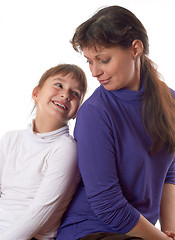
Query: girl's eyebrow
(78,88)
(58,78)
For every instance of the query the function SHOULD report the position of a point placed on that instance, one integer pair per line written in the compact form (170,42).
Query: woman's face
(114,67)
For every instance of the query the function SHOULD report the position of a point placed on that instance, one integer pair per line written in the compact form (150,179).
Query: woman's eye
(89,62)
(59,85)
(104,61)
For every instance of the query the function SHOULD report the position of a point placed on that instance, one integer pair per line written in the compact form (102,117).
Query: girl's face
(114,67)
(58,100)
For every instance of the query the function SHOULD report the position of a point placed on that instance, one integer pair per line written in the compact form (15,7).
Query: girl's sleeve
(53,196)
(97,163)
(2,159)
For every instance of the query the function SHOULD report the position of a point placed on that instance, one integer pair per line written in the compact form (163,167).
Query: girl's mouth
(61,105)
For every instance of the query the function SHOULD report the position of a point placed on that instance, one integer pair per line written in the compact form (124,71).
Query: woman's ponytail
(158,108)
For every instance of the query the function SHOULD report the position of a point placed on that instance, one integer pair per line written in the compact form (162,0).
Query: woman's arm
(147,231)
(97,162)
(167,208)
(53,195)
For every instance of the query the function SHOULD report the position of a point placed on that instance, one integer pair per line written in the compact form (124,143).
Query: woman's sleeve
(97,163)
(54,194)
(170,178)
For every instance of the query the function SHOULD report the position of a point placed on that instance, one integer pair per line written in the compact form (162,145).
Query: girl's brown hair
(116,25)
(65,69)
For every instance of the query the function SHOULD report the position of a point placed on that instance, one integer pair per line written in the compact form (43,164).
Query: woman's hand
(170,234)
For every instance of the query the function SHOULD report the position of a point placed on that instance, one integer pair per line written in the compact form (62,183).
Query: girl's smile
(57,100)
(60,105)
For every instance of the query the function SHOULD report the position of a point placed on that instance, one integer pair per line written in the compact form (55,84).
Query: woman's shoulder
(173,92)
(95,108)
(96,100)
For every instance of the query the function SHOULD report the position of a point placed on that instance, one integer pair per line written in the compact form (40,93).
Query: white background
(35,35)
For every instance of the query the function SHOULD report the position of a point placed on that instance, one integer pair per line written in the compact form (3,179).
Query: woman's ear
(35,94)
(137,47)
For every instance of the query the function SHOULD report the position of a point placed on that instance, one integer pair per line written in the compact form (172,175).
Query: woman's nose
(96,70)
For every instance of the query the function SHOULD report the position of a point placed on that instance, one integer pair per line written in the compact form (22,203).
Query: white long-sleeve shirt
(38,176)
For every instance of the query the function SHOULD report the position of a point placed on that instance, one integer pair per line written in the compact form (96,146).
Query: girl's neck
(43,126)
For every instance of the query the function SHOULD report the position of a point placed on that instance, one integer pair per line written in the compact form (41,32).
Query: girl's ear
(137,47)
(74,116)
(35,94)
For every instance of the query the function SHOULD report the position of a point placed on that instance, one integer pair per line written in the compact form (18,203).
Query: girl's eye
(59,85)
(76,94)
(105,61)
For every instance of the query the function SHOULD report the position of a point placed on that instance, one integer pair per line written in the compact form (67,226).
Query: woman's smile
(104,81)
(114,67)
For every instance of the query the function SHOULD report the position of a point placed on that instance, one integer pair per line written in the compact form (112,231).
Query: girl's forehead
(67,78)
(60,76)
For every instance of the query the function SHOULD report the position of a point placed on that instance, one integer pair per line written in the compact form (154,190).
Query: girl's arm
(167,208)
(1,168)
(53,196)
(2,159)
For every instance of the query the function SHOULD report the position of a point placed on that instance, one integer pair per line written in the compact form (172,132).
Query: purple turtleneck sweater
(120,180)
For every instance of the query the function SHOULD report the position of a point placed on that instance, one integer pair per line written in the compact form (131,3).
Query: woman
(126,137)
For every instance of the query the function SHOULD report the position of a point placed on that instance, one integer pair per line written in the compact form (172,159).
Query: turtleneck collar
(127,95)
(48,136)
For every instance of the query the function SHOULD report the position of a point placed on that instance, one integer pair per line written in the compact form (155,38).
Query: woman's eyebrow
(96,56)
(86,57)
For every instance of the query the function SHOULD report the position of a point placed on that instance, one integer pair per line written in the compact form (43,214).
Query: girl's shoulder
(11,139)
(13,134)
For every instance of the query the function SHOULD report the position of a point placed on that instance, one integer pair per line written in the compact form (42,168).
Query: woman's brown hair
(116,25)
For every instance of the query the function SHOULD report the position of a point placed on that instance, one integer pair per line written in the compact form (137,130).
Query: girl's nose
(65,95)
(96,70)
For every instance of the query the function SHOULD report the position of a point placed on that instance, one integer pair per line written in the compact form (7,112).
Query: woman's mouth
(104,81)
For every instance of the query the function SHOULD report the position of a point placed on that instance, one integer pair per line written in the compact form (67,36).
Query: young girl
(38,166)
(125,135)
